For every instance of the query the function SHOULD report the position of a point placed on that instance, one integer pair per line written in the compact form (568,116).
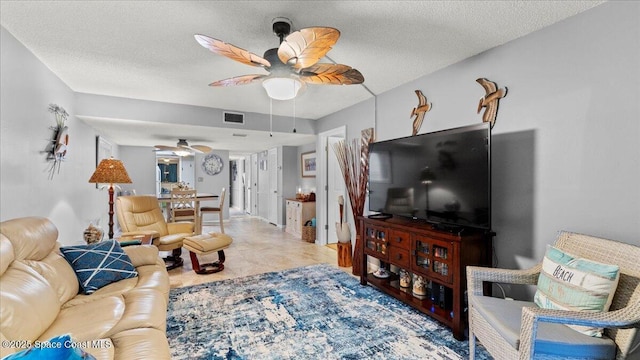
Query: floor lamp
(110,171)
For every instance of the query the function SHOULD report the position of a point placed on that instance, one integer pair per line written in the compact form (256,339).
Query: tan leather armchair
(141,214)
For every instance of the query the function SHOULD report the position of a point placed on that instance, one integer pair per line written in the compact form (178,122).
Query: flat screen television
(442,177)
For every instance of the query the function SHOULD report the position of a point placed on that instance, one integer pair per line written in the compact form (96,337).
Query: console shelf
(440,257)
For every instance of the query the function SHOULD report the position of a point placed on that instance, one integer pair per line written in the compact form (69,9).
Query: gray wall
(111,107)
(355,118)
(213,184)
(566,143)
(27,87)
(140,162)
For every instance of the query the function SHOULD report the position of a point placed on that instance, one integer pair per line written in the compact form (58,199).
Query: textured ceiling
(146,49)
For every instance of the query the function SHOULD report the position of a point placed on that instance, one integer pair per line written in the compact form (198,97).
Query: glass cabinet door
(440,258)
(432,258)
(422,259)
(376,242)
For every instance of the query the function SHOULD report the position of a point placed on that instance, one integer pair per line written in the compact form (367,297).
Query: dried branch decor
(353,159)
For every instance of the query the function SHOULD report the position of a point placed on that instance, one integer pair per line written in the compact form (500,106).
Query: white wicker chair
(542,331)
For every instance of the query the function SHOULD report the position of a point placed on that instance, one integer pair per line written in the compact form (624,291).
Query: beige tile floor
(257,247)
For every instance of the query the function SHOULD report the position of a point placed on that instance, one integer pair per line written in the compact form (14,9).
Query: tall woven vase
(353,159)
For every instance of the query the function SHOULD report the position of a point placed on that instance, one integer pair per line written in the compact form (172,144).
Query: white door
(335,188)
(323,224)
(273,186)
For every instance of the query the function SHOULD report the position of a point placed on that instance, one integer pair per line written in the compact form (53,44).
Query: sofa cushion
(56,270)
(6,253)
(29,303)
(144,308)
(61,347)
(87,321)
(142,255)
(33,238)
(568,282)
(142,344)
(99,264)
(506,316)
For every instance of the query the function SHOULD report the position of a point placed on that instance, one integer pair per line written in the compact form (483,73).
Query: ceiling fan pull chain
(294,109)
(270,117)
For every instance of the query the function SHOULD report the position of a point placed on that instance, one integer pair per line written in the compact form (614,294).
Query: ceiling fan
(292,65)
(183,148)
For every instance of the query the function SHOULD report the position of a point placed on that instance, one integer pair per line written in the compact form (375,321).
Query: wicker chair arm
(477,275)
(626,317)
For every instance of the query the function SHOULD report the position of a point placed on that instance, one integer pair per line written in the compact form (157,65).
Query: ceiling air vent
(232,118)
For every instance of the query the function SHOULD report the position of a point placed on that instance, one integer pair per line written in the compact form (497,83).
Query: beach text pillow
(568,282)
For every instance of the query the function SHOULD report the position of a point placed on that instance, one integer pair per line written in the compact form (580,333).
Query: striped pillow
(567,282)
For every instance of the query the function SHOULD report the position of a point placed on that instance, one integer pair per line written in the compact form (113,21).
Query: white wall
(566,143)
(27,87)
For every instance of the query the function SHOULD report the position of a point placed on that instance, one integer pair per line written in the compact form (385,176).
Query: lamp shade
(427,176)
(110,171)
(282,88)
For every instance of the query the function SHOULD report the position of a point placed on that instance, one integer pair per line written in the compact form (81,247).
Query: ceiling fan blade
(238,80)
(231,51)
(201,148)
(166,148)
(307,46)
(332,74)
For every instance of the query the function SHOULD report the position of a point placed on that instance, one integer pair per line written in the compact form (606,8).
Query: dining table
(165,202)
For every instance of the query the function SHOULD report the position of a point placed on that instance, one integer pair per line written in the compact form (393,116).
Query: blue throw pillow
(100,264)
(58,348)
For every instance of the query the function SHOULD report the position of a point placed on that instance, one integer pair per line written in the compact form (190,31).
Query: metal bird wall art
(419,112)
(490,100)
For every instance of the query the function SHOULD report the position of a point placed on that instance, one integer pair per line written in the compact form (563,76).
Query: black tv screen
(443,177)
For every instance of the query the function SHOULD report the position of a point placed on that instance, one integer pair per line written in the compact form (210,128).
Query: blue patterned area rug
(314,312)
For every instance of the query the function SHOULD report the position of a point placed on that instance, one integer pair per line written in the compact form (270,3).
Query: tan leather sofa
(39,297)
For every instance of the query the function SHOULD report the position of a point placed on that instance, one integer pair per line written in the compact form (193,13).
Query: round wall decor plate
(212,164)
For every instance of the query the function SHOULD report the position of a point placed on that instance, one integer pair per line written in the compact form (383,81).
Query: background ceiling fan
(183,148)
(293,64)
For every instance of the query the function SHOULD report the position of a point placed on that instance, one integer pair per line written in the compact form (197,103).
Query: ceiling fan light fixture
(182,153)
(282,88)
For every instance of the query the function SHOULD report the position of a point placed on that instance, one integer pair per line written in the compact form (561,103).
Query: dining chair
(183,206)
(215,209)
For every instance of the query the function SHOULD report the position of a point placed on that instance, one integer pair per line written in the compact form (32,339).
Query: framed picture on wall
(308,164)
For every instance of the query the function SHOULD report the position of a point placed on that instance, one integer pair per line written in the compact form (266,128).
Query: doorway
(330,179)
(172,169)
